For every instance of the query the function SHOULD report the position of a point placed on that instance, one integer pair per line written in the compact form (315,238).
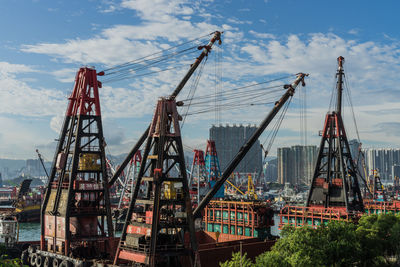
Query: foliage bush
(374,241)
(5,261)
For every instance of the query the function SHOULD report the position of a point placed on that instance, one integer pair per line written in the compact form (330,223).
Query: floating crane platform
(381,207)
(297,216)
(238,220)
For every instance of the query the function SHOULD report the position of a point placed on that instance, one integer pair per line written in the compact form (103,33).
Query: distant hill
(12,164)
(17,181)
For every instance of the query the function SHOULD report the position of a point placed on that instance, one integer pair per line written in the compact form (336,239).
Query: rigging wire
(239,106)
(218,85)
(277,125)
(142,74)
(156,53)
(303,117)
(349,98)
(245,87)
(252,100)
(332,100)
(133,69)
(241,96)
(149,63)
(193,88)
(273,133)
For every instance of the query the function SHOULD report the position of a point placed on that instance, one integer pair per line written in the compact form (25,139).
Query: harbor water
(31,231)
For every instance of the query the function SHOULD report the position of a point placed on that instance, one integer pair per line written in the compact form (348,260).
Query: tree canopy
(374,241)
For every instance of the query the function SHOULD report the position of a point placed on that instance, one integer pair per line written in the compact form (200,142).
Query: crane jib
(204,53)
(246,147)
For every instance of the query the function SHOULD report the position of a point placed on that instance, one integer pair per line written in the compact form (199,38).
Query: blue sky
(43,43)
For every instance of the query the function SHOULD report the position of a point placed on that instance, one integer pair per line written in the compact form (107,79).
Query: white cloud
(122,42)
(262,35)
(8,68)
(19,137)
(238,21)
(159,10)
(354,31)
(65,75)
(18,98)
(108,6)
(370,67)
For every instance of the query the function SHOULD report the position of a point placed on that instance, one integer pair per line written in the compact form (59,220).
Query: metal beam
(246,147)
(178,89)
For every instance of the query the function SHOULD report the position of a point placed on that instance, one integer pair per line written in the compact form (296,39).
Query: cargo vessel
(24,202)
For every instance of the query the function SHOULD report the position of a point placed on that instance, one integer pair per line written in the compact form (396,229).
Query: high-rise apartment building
(395,171)
(296,164)
(228,140)
(354,147)
(383,160)
(271,170)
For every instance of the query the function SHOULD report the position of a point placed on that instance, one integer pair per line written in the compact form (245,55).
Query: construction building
(228,140)
(296,164)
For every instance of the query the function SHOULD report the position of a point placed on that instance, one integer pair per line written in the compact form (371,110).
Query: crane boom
(246,147)
(42,162)
(205,50)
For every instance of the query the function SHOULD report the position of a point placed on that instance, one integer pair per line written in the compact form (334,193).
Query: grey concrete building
(382,159)
(354,146)
(285,168)
(271,170)
(395,171)
(296,164)
(228,140)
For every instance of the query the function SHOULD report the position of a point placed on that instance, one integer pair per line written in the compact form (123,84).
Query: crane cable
(230,96)
(277,125)
(152,61)
(193,89)
(273,133)
(140,75)
(245,87)
(129,69)
(135,61)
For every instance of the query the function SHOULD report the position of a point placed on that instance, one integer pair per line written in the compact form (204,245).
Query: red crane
(335,183)
(160,210)
(76,223)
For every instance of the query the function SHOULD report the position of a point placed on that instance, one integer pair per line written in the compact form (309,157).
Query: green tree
(238,261)
(379,236)
(374,241)
(341,246)
(271,259)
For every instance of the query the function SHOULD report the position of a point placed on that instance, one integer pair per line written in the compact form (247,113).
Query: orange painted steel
(240,215)
(298,216)
(378,207)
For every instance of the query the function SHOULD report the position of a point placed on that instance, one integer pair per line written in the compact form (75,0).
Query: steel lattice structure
(335,183)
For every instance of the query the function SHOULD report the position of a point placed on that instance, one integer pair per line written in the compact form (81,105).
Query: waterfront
(31,231)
